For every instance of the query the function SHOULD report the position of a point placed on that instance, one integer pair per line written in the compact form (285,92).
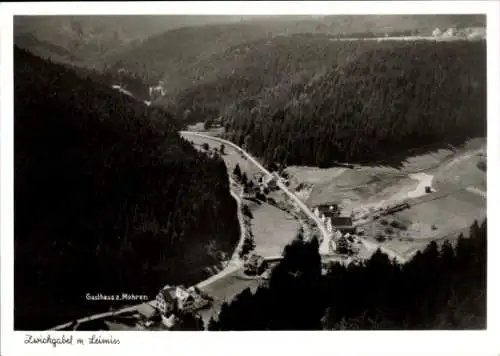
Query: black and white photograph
(249,172)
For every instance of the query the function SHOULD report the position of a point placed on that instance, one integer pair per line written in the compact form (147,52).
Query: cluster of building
(170,302)
(339,226)
(330,216)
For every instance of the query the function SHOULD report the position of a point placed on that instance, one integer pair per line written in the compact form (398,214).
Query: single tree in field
(237,171)
(222,149)
(205,146)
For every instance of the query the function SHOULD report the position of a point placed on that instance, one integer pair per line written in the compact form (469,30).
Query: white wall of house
(162,305)
(332,246)
(329,226)
(156,91)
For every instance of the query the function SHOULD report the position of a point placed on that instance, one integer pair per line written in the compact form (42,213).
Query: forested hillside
(440,288)
(89,38)
(182,56)
(376,99)
(108,197)
(241,76)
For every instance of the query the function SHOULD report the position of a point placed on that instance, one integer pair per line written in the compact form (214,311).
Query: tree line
(108,197)
(439,288)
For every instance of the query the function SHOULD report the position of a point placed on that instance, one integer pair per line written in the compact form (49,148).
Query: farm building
(326,213)
(343,223)
(326,209)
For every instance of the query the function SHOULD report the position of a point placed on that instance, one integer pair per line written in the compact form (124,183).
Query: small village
(345,244)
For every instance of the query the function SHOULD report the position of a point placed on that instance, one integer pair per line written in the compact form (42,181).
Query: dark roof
(146,310)
(326,208)
(168,294)
(341,221)
(329,214)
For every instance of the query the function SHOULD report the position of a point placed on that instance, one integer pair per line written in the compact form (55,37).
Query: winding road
(235,262)
(325,238)
(280,184)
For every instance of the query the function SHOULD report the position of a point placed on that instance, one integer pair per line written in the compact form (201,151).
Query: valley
(251,164)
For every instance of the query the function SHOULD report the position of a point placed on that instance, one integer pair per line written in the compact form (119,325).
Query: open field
(272,228)
(452,212)
(314,175)
(463,170)
(364,184)
(379,184)
(407,247)
(452,173)
(439,218)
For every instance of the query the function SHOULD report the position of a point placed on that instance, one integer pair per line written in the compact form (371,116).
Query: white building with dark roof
(172,298)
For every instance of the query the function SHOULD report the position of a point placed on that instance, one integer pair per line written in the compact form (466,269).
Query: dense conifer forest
(440,288)
(108,197)
(307,100)
(380,101)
